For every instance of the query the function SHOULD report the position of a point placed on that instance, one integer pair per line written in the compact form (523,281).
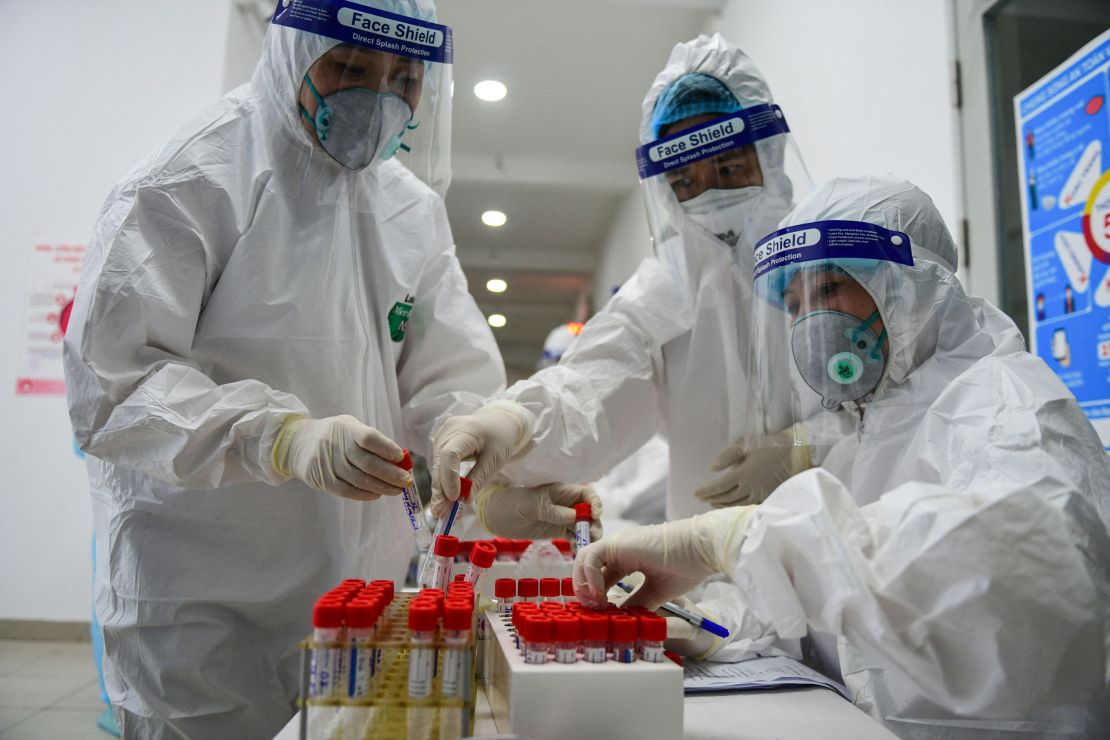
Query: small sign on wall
(51,285)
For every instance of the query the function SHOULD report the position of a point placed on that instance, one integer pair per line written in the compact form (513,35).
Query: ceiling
(556,154)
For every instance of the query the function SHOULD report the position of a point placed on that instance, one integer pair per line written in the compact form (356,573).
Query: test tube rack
(554,701)
(388,713)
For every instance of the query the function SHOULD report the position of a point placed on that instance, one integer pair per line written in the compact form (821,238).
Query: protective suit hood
(713,56)
(923,306)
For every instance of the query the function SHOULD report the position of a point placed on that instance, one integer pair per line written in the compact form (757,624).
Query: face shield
(730,177)
(816,312)
(383,91)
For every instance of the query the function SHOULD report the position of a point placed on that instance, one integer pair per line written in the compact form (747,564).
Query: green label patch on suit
(399,317)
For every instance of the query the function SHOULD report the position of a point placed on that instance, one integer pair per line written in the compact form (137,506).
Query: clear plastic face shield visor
(818,333)
(383,92)
(730,178)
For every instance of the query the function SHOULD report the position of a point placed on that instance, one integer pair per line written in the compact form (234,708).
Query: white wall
(864,84)
(626,245)
(89,89)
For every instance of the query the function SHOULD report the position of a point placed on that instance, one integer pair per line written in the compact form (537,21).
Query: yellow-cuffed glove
(340,455)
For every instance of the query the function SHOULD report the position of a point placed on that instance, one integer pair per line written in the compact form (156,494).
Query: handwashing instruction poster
(1063,131)
(51,285)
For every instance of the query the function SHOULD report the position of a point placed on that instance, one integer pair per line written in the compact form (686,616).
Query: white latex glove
(340,455)
(536,513)
(674,557)
(753,471)
(687,640)
(491,436)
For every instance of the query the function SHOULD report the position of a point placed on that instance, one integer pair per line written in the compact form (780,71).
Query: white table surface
(784,714)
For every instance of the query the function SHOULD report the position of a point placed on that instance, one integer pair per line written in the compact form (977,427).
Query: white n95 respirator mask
(725,213)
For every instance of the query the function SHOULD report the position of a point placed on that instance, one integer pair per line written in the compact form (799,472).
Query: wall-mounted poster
(1063,131)
(51,284)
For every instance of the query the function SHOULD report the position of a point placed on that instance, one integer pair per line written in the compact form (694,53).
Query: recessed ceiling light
(490,90)
(496,285)
(494,218)
(496,320)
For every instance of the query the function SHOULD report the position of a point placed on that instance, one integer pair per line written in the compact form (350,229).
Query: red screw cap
(528,588)
(406,462)
(567,628)
(568,587)
(327,614)
(583,513)
(447,546)
(652,628)
(457,615)
(622,628)
(549,587)
(483,554)
(465,484)
(595,627)
(422,616)
(504,588)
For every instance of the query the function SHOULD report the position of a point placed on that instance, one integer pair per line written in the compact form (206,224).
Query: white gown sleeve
(599,404)
(982,599)
(134,398)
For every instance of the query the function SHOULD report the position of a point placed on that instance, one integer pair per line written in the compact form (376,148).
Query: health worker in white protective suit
(949,560)
(718,170)
(271,306)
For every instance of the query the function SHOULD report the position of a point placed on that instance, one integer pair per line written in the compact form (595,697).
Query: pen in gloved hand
(685,615)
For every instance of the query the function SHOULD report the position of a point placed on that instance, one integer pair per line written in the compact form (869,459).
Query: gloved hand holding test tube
(410,497)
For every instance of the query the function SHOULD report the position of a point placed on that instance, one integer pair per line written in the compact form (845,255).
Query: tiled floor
(48,690)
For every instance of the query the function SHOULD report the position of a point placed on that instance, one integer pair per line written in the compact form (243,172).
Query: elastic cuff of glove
(720,535)
(524,420)
(282,442)
(718,642)
(481,501)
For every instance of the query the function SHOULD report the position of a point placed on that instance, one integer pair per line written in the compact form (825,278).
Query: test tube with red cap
(583,515)
(567,632)
(653,631)
(537,637)
(595,636)
(414,509)
(423,616)
(482,556)
(443,527)
(567,589)
(442,560)
(550,590)
(504,594)
(458,615)
(326,661)
(528,589)
(623,631)
(362,623)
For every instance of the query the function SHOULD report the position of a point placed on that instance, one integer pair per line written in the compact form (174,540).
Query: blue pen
(685,615)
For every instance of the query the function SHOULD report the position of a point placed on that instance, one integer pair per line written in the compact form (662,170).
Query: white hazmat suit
(239,276)
(668,353)
(965,516)
(948,558)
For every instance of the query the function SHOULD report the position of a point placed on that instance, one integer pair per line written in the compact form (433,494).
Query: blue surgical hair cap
(691,95)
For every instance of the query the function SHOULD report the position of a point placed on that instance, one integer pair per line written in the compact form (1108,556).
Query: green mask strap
(322,121)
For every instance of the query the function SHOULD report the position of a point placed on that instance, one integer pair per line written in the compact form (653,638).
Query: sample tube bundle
(381,664)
